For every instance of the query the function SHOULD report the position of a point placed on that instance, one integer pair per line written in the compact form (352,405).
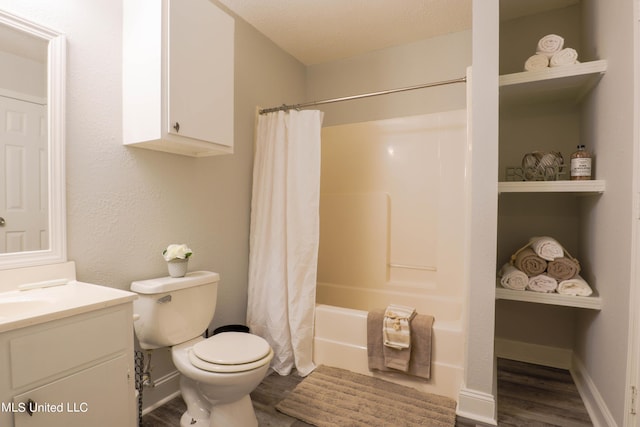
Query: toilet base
(238,413)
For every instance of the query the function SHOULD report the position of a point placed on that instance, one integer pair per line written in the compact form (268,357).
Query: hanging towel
(563,268)
(536,62)
(512,278)
(550,44)
(396,334)
(396,331)
(566,56)
(576,287)
(547,248)
(528,262)
(420,352)
(542,283)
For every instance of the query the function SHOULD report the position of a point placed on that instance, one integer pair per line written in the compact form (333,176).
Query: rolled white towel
(542,283)
(512,278)
(550,44)
(575,287)
(536,62)
(547,248)
(566,56)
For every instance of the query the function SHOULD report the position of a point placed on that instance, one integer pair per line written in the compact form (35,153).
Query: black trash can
(231,328)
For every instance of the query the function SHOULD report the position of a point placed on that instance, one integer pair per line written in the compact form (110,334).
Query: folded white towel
(566,56)
(396,332)
(575,287)
(550,44)
(547,248)
(542,283)
(538,61)
(512,278)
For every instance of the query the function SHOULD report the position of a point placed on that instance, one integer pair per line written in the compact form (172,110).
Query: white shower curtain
(284,236)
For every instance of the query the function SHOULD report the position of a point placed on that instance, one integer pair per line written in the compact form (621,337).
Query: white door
(23,176)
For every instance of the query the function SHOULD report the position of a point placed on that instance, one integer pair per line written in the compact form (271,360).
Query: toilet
(217,373)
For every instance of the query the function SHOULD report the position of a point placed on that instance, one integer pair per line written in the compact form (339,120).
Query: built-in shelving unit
(591,302)
(562,85)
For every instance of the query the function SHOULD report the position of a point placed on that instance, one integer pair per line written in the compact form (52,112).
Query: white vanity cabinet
(178,77)
(74,371)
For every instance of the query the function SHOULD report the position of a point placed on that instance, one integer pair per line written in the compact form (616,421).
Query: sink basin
(15,305)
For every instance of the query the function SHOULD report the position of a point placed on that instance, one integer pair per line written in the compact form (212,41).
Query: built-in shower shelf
(587,186)
(568,83)
(592,302)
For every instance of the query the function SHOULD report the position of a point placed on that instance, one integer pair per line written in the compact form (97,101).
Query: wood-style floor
(528,395)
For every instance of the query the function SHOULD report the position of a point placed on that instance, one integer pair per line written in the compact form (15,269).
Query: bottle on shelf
(581,162)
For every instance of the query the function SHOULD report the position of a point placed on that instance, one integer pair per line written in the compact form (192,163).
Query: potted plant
(177,257)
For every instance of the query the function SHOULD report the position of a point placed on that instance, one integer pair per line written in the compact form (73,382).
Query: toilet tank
(170,311)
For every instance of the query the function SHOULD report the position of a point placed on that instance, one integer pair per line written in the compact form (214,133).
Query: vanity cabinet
(74,371)
(178,77)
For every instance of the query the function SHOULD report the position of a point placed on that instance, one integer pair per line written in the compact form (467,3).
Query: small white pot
(178,267)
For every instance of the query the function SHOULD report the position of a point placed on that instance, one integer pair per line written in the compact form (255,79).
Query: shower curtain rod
(285,107)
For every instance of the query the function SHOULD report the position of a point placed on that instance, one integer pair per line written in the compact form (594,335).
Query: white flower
(174,251)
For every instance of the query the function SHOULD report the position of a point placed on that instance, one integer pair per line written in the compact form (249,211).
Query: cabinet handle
(2,222)
(177,127)
(31,407)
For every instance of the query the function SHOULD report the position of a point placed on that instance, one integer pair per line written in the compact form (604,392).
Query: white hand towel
(512,278)
(550,44)
(575,287)
(538,61)
(396,330)
(542,283)
(566,56)
(547,248)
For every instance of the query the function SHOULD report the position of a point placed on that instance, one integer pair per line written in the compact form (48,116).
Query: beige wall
(440,58)
(607,222)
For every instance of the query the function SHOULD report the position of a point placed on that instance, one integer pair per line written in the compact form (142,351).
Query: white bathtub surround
(283,245)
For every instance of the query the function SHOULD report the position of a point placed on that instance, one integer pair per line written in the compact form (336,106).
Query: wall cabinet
(178,77)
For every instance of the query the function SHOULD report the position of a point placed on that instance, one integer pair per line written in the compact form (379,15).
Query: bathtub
(340,340)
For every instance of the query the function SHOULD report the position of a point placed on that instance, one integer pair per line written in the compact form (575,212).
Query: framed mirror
(32,139)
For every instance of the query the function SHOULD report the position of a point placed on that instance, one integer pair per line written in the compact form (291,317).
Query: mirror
(32,197)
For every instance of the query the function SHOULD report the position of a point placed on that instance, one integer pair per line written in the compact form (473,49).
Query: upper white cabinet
(178,77)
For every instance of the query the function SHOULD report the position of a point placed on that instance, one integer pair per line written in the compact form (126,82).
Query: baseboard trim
(534,353)
(593,401)
(477,406)
(170,380)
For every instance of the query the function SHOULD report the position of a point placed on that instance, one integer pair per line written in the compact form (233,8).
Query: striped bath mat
(335,397)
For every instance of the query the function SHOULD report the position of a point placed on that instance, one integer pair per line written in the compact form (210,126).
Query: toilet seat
(230,352)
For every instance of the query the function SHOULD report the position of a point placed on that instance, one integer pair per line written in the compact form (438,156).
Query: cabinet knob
(31,407)
(177,127)
(2,222)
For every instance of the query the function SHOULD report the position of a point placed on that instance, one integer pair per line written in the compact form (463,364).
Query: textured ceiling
(317,31)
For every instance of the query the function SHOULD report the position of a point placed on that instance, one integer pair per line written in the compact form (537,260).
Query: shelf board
(587,186)
(592,302)
(569,83)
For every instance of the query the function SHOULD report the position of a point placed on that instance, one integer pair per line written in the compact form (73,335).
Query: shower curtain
(283,244)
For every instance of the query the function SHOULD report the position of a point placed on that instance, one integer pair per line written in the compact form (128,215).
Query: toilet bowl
(217,373)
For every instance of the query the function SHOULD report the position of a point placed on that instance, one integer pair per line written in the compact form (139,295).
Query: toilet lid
(232,348)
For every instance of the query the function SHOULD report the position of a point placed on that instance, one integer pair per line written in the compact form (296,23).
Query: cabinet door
(99,396)
(200,71)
